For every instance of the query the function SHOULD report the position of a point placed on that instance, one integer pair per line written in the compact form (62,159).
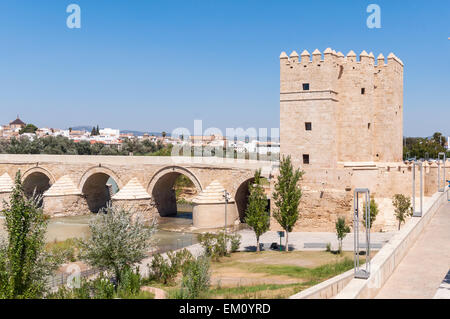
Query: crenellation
(293,57)
(354,124)
(316,56)
(305,56)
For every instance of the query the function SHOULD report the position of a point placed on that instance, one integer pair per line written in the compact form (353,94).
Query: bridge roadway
(423,269)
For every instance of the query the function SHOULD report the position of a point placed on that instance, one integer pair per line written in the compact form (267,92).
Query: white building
(110,132)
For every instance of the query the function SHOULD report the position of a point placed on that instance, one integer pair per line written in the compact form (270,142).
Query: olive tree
(119,239)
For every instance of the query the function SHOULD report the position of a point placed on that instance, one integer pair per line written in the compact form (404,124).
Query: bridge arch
(37,179)
(161,188)
(95,188)
(241,195)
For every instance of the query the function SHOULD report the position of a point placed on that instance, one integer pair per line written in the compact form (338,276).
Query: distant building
(17,124)
(110,132)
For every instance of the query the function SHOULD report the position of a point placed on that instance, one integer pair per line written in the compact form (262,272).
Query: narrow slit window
(363,91)
(308,126)
(305,158)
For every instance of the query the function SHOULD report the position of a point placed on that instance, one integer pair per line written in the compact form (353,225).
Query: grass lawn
(271,274)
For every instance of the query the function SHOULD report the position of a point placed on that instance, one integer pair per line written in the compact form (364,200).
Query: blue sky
(158,65)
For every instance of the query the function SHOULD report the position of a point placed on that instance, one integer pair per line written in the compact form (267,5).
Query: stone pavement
(443,291)
(420,273)
(298,240)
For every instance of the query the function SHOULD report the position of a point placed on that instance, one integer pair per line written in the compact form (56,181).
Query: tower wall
(317,106)
(355,108)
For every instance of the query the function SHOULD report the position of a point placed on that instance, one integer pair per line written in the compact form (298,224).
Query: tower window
(305,86)
(308,126)
(363,91)
(305,158)
(368,126)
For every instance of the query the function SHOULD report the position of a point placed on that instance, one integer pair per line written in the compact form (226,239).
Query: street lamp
(227,197)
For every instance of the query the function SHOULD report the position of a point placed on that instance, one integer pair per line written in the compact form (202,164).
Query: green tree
(287,196)
(29,128)
(24,263)
(403,209)
(342,229)
(373,212)
(256,216)
(118,240)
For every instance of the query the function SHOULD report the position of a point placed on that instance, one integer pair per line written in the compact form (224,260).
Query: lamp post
(227,197)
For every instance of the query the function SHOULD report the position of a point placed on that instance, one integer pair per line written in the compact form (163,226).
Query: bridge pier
(209,208)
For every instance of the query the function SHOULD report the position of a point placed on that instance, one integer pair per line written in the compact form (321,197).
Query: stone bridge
(72,185)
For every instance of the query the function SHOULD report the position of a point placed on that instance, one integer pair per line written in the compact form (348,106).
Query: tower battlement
(341,108)
(332,56)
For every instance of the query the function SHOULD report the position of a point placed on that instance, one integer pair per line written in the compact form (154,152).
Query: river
(62,228)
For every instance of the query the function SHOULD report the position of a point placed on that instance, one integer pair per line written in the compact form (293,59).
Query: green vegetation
(403,209)
(29,128)
(164,270)
(196,278)
(118,240)
(95,131)
(287,196)
(24,262)
(66,250)
(342,229)
(104,288)
(424,147)
(373,212)
(256,216)
(63,145)
(216,245)
(307,277)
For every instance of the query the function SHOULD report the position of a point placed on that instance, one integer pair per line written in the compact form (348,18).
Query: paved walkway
(423,269)
(306,240)
(443,291)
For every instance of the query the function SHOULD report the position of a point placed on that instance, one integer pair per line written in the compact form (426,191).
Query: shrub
(235,242)
(165,270)
(216,245)
(196,278)
(328,249)
(161,269)
(207,240)
(130,283)
(102,288)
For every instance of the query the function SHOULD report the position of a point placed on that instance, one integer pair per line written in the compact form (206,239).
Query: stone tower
(341,109)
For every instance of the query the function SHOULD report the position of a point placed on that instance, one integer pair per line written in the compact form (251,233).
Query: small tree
(373,212)
(403,209)
(29,128)
(256,216)
(118,240)
(342,229)
(24,264)
(287,196)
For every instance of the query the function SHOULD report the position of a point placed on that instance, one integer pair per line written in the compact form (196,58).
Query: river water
(62,228)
